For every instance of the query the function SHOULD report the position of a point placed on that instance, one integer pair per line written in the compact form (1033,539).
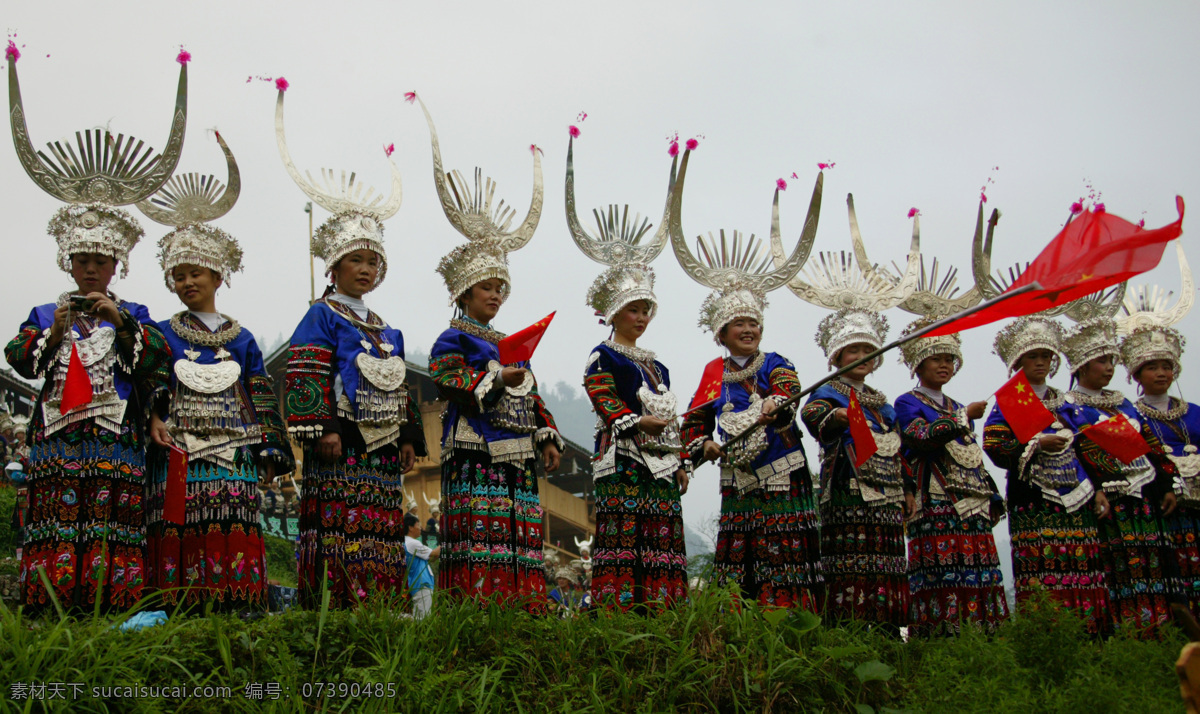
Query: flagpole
(877,353)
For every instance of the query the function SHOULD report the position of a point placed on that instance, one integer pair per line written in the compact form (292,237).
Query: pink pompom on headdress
(913,212)
(410,97)
(1077,207)
(282,84)
(184,56)
(673,149)
(573,131)
(825,165)
(387,150)
(12,53)
(692,144)
(781,185)
(535,149)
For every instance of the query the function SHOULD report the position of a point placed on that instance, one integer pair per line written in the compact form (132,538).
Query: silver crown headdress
(1147,322)
(851,326)
(1089,340)
(739,280)
(913,353)
(106,172)
(188,202)
(357,220)
(489,240)
(1025,334)
(619,246)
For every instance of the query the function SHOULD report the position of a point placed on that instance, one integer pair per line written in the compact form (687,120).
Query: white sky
(915,102)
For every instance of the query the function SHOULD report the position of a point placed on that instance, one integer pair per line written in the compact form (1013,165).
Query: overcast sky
(915,102)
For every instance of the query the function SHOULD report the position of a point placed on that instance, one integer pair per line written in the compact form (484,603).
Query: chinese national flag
(860,432)
(1094,251)
(710,385)
(77,387)
(175,497)
(1022,408)
(519,347)
(1118,437)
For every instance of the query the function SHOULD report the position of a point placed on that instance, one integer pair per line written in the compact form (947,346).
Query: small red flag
(1118,437)
(710,385)
(1094,251)
(77,387)
(1022,408)
(860,432)
(176,494)
(519,347)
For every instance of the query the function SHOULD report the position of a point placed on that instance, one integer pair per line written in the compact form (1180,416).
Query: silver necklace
(475,329)
(1108,399)
(745,373)
(216,339)
(868,397)
(1169,415)
(637,354)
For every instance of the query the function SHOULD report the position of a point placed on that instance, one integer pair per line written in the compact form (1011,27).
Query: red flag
(860,432)
(1022,408)
(710,385)
(176,493)
(519,347)
(1118,437)
(1094,251)
(77,387)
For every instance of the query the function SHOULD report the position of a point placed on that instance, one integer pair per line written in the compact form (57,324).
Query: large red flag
(710,385)
(519,347)
(1118,437)
(77,387)
(1022,409)
(860,432)
(1094,251)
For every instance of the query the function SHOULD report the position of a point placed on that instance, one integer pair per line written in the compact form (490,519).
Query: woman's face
(935,370)
(354,275)
(1156,376)
(632,320)
(1097,373)
(196,287)
(856,351)
(1036,364)
(741,337)
(482,301)
(93,271)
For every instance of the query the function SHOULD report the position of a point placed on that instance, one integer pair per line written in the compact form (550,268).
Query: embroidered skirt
(953,572)
(218,553)
(1182,529)
(863,556)
(1136,557)
(86,524)
(1059,553)
(639,557)
(491,526)
(769,543)
(352,526)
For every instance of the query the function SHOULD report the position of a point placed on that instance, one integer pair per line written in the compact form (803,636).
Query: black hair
(410,520)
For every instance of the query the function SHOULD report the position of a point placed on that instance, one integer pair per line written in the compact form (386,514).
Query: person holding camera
(420,576)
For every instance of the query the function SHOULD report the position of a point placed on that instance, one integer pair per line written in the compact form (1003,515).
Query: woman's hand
(103,306)
(652,425)
(682,479)
(59,328)
(158,431)
(840,417)
(910,507)
(551,456)
(1103,510)
(768,413)
(408,457)
(1052,442)
(1169,503)
(329,447)
(975,410)
(713,451)
(513,376)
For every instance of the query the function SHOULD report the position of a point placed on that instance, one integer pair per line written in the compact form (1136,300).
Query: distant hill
(572,412)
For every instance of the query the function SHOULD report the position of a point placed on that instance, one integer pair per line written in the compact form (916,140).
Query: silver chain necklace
(202,338)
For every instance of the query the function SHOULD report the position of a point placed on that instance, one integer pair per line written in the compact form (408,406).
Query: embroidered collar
(204,337)
(867,396)
(1175,412)
(473,328)
(373,322)
(1053,399)
(946,406)
(748,372)
(637,354)
(1108,399)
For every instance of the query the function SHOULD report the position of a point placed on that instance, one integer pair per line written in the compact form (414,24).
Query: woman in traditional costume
(216,406)
(954,570)
(767,542)
(495,424)
(85,544)
(639,470)
(1132,497)
(349,406)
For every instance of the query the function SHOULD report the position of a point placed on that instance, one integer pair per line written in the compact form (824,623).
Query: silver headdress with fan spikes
(1147,322)
(913,353)
(188,201)
(358,214)
(1090,340)
(740,281)
(106,172)
(1026,334)
(489,240)
(618,245)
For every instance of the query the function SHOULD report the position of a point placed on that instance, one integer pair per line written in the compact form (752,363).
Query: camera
(81,303)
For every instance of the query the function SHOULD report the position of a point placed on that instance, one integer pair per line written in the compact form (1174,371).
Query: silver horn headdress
(105,173)
(358,213)
(187,202)
(489,240)
(1147,322)
(739,279)
(618,245)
